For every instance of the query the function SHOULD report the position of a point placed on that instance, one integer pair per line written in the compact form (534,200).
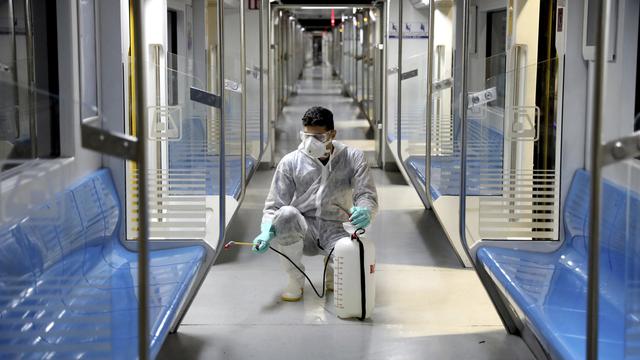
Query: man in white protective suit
(314,190)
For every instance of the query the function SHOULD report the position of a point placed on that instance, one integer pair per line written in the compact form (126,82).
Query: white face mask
(315,147)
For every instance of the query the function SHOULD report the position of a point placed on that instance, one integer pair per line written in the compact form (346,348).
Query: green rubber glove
(261,242)
(360,217)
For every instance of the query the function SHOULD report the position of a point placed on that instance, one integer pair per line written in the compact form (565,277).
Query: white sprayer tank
(354,277)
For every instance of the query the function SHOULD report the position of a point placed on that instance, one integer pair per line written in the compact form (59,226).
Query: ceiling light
(323,7)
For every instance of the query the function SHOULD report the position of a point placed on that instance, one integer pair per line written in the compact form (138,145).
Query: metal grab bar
(14,60)
(517,50)
(221,89)
(399,79)
(143,219)
(243,103)
(429,105)
(463,134)
(31,77)
(593,285)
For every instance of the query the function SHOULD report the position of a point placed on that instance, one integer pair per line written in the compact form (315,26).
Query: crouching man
(314,190)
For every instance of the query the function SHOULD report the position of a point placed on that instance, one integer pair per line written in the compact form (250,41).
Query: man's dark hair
(318,116)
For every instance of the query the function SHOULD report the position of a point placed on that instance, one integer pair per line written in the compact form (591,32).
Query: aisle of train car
(427,305)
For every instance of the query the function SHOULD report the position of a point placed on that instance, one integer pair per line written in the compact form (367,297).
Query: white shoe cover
(293,291)
(329,277)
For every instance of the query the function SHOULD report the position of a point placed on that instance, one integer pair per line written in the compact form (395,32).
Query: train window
(495,51)
(28,82)
(172,57)
(636,121)
(589,36)
(88,59)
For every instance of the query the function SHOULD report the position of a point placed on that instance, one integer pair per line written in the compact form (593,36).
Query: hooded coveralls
(309,201)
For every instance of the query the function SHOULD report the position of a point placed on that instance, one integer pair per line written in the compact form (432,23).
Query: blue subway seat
(551,288)
(68,287)
(487,156)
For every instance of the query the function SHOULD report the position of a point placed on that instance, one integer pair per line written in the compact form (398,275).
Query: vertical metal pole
(220,59)
(14,63)
(356,34)
(31,78)
(261,60)
(143,222)
(384,86)
(271,71)
(463,133)
(593,288)
(156,66)
(243,102)
(429,106)
(399,102)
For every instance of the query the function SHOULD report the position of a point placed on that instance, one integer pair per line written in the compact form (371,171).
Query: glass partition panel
(253,73)
(512,181)
(233,101)
(444,168)
(413,117)
(183,168)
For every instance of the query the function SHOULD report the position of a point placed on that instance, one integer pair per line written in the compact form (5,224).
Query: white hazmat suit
(309,201)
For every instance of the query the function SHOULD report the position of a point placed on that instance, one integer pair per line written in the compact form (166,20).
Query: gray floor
(427,305)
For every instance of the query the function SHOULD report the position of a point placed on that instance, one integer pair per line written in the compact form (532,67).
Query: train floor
(427,305)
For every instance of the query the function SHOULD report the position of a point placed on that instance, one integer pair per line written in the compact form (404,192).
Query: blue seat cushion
(74,291)
(486,145)
(551,288)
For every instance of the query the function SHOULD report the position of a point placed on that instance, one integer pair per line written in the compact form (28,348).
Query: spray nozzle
(231,243)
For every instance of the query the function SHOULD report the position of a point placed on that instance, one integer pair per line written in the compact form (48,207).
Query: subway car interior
(153,152)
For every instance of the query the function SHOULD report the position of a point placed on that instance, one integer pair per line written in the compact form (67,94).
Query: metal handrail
(463,133)
(399,80)
(243,103)
(221,87)
(143,219)
(261,81)
(429,105)
(14,59)
(593,285)
(31,77)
